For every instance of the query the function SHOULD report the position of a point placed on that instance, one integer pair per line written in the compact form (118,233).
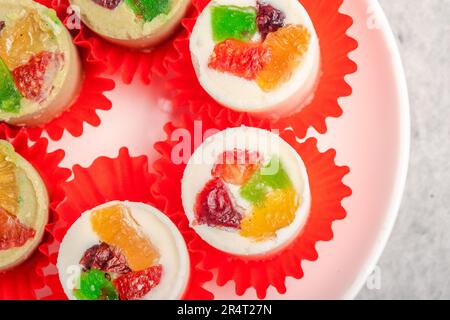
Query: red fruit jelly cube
(135,285)
(236,166)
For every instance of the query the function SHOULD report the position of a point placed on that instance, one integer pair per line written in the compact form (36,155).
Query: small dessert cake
(123,250)
(132,23)
(246,192)
(257,56)
(39,65)
(23,207)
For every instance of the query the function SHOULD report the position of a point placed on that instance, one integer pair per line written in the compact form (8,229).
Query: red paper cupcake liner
(90,97)
(128,62)
(327,192)
(122,178)
(331,27)
(25,281)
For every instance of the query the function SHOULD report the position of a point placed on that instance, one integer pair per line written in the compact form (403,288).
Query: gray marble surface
(416,261)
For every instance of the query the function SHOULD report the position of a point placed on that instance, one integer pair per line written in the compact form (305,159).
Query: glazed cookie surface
(132,23)
(23,207)
(39,65)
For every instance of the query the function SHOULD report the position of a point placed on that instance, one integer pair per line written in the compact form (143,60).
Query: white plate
(372,137)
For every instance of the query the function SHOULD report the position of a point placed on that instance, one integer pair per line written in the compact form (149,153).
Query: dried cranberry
(108,4)
(105,258)
(214,206)
(2,25)
(268,19)
(135,285)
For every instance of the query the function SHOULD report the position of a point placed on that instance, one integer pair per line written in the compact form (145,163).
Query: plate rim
(403,155)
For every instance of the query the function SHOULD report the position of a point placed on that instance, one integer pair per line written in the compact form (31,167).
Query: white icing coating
(66,84)
(163,234)
(198,173)
(244,95)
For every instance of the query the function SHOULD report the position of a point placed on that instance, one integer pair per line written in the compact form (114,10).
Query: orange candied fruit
(276,212)
(9,191)
(287,46)
(116,226)
(27,36)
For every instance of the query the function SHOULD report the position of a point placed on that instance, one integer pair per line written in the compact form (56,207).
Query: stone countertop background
(416,261)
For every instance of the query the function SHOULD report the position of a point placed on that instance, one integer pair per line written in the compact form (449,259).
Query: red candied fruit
(2,25)
(13,234)
(236,166)
(268,19)
(35,78)
(135,285)
(214,206)
(242,59)
(105,258)
(108,4)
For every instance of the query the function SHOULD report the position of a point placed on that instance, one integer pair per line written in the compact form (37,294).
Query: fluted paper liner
(331,27)
(90,97)
(327,192)
(129,63)
(107,179)
(25,281)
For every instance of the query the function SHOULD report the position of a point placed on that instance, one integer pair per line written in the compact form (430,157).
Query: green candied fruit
(53,16)
(271,176)
(233,22)
(9,95)
(149,9)
(95,286)
(274,175)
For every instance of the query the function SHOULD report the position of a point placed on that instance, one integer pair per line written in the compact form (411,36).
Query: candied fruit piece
(9,95)
(270,176)
(95,285)
(233,22)
(13,233)
(287,45)
(274,175)
(116,226)
(268,19)
(2,25)
(242,59)
(9,191)
(215,207)
(276,212)
(108,4)
(28,36)
(149,9)
(135,285)
(35,78)
(105,258)
(237,166)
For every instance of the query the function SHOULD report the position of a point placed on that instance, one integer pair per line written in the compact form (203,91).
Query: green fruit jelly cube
(271,176)
(149,9)
(9,95)
(233,22)
(95,286)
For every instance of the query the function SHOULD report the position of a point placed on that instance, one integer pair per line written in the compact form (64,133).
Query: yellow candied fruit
(24,38)
(9,193)
(276,212)
(287,46)
(116,226)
